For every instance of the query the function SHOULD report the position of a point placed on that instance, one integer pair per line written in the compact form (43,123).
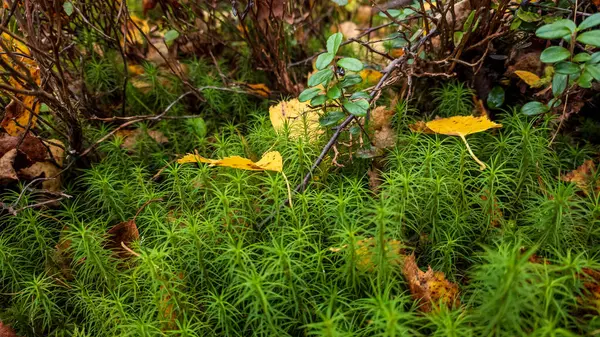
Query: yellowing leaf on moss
(298,117)
(365,253)
(270,161)
(370,77)
(528,77)
(462,126)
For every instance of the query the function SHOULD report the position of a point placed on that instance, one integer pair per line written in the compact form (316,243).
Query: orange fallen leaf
(583,177)
(260,89)
(270,161)
(7,331)
(430,287)
(462,126)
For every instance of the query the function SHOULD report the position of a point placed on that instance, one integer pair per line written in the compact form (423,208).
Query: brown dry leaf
(30,146)
(420,126)
(48,168)
(462,126)
(131,137)
(528,77)
(363,15)
(148,5)
(495,212)
(374,180)
(270,161)
(7,171)
(300,119)
(430,287)
(583,177)
(365,253)
(270,9)
(349,29)
(159,54)
(596,3)
(260,89)
(7,331)
(121,236)
(385,138)
(381,117)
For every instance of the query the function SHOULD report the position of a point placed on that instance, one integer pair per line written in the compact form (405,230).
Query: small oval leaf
(324,60)
(534,108)
(350,63)
(554,54)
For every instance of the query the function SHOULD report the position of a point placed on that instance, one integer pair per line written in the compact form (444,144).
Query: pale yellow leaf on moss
(270,161)
(528,77)
(300,119)
(462,126)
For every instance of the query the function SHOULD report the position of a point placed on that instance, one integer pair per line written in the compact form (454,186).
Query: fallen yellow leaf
(270,161)
(462,126)
(528,77)
(300,119)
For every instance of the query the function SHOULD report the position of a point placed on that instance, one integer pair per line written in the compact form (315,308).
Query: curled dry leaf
(298,117)
(385,138)
(584,177)
(430,287)
(49,168)
(7,331)
(121,236)
(270,161)
(7,171)
(462,126)
(131,137)
(420,126)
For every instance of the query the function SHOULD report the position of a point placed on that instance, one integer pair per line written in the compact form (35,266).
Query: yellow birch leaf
(299,118)
(462,126)
(530,78)
(270,161)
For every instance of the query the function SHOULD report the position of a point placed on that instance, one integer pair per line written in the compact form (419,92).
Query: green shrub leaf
(495,98)
(318,100)
(356,108)
(68,7)
(334,92)
(534,108)
(324,60)
(582,57)
(350,80)
(171,35)
(359,95)
(308,94)
(350,63)
(567,68)
(559,84)
(554,54)
(334,42)
(590,22)
(319,77)
(593,70)
(331,118)
(592,38)
(556,30)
